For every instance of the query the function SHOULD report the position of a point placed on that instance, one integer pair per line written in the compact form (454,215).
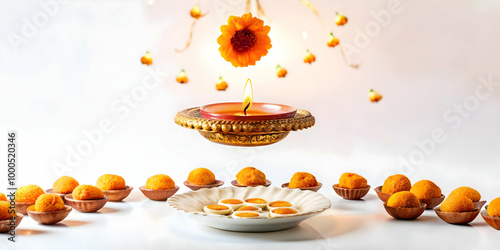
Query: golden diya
(244,40)
(245,123)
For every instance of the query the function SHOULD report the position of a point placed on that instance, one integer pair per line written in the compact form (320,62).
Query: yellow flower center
(243,40)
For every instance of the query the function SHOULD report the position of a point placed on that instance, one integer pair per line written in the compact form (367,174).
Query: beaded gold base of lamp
(244,133)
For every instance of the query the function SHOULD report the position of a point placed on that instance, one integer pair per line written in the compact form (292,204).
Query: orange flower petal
(256,50)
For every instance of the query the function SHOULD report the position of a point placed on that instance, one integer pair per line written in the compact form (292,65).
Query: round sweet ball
(87,192)
(201,176)
(473,194)
(426,189)
(28,193)
(457,203)
(352,181)
(49,203)
(65,185)
(160,181)
(110,182)
(302,180)
(403,199)
(396,183)
(494,208)
(5,211)
(250,176)
(3,197)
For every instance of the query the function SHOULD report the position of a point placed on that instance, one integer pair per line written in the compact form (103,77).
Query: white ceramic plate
(191,204)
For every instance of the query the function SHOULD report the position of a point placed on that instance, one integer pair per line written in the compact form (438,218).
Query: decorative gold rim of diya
(244,133)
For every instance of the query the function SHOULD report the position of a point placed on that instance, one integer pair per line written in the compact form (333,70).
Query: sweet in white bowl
(191,204)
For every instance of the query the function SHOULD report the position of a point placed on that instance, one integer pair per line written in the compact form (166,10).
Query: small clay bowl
(479,205)
(159,194)
(86,206)
(193,187)
(494,222)
(21,207)
(457,218)
(118,194)
(236,184)
(433,202)
(314,189)
(51,191)
(405,213)
(5,224)
(49,218)
(351,193)
(382,196)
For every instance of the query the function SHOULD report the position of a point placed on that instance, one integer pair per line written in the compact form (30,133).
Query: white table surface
(426,61)
(138,223)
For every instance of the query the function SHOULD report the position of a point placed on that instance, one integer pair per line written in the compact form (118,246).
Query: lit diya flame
(247,96)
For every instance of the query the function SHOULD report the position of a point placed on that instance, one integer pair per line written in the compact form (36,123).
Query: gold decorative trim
(244,133)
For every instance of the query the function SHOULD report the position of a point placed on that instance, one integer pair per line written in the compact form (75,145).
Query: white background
(76,68)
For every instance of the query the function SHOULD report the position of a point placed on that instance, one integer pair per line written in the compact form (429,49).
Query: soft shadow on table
(330,226)
(107,210)
(353,205)
(70,223)
(134,196)
(120,208)
(479,224)
(369,197)
(29,232)
(432,218)
(302,232)
(313,229)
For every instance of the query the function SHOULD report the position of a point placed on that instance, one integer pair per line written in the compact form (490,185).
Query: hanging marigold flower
(244,40)
(333,41)
(309,58)
(281,71)
(195,12)
(221,84)
(340,20)
(146,59)
(374,96)
(181,77)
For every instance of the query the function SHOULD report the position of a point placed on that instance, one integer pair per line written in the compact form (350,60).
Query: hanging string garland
(280,71)
(233,55)
(374,96)
(260,10)
(146,59)
(314,10)
(196,14)
(181,77)
(221,85)
(340,20)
